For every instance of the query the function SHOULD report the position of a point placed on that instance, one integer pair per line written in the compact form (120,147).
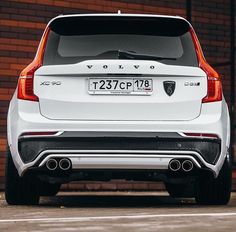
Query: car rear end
(119,96)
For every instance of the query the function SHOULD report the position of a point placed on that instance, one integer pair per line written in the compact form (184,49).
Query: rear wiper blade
(136,56)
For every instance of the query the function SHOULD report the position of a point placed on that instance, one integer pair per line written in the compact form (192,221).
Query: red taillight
(214,92)
(26,84)
(26,79)
(214,85)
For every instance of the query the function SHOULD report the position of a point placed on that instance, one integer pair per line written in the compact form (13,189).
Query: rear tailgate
(63,91)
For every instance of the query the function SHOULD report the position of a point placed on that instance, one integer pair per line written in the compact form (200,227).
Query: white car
(125,96)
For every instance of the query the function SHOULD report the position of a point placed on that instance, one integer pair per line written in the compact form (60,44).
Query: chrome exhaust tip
(174,165)
(51,164)
(64,164)
(187,165)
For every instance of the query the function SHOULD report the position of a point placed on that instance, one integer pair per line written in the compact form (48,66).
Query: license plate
(135,86)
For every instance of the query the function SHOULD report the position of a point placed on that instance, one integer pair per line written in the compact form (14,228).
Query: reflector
(202,135)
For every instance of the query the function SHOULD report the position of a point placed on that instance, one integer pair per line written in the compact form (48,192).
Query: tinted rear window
(75,39)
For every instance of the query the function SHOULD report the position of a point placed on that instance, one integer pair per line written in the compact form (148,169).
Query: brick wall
(22,23)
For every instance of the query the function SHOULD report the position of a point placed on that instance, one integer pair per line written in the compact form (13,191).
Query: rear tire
(174,190)
(46,189)
(19,190)
(180,190)
(215,191)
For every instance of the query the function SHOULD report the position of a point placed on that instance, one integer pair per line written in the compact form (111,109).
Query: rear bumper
(130,151)
(25,116)
(114,146)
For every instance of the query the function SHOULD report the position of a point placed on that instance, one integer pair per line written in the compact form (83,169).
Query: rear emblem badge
(169,87)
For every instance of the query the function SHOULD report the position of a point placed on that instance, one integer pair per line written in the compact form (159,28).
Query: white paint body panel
(71,101)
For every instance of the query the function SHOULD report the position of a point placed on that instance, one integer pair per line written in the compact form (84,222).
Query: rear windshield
(75,39)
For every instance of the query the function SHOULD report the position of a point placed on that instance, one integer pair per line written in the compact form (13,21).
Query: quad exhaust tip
(51,164)
(64,164)
(174,165)
(186,166)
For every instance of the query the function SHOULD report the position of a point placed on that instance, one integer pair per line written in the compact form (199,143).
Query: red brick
(109,186)
(156,186)
(140,186)
(125,186)
(15,23)
(93,186)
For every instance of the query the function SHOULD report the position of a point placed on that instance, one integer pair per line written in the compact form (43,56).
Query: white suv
(119,96)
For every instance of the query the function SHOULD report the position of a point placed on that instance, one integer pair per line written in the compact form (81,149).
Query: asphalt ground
(117,211)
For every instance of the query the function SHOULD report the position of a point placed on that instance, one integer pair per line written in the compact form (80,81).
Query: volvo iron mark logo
(169,87)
